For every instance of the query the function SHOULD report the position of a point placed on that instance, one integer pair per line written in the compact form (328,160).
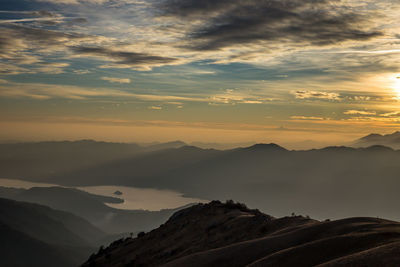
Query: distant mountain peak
(395,134)
(371,136)
(266,147)
(215,207)
(389,140)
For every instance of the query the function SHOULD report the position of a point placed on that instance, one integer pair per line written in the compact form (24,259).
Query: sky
(290,72)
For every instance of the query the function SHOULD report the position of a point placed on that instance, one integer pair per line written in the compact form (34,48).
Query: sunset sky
(210,71)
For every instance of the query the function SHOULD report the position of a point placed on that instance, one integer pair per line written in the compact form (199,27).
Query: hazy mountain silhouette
(159,146)
(29,230)
(135,168)
(230,234)
(390,140)
(35,160)
(91,207)
(333,182)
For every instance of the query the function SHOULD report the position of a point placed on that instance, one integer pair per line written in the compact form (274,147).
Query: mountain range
(37,159)
(333,182)
(390,140)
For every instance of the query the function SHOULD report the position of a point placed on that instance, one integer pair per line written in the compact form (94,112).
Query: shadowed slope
(217,234)
(35,235)
(19,249)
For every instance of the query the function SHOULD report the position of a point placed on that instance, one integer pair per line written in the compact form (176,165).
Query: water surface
(134,197)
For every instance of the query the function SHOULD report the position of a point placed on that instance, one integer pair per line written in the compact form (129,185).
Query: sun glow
(397,85)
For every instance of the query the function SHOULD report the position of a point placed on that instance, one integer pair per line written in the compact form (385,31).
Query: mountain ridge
(390,140)
(230,234)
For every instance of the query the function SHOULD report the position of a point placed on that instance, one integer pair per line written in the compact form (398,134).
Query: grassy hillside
(230,234)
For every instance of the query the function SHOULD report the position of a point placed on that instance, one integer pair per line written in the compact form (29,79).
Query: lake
(134,198)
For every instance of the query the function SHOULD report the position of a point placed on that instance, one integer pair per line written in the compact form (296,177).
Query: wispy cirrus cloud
(51,91)
(116,80)
(391,114)
(359,112)
(312,118)
(155,107)
(300,94)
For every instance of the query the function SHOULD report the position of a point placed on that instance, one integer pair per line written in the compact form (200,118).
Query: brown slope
(198,228)
(304,246)
(386,255)
(217,234)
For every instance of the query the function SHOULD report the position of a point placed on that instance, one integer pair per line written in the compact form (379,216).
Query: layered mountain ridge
(36,235)
(391,140)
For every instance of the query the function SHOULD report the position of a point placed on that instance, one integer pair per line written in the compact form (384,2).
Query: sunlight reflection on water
(134,198)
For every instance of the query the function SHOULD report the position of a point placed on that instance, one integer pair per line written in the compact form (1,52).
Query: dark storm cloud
(121,57)
(227,23)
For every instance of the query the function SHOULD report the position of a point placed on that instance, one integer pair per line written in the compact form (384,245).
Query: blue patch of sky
(21,5)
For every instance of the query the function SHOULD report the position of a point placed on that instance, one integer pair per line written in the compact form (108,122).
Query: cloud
(74,2)
(361,98)
(51,91)
(126,59)
(21,45)
(376,119)
(40,13)
(9,69)
(155,108)
(390,114)
(233,97)
(50,19)
(359,112)
(317,95)
(51,67)
(225,23)
(82,72)
(39,36)
(116,80)
(306,118)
